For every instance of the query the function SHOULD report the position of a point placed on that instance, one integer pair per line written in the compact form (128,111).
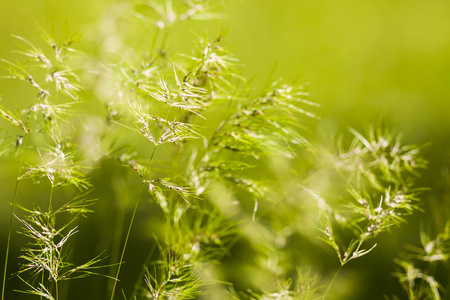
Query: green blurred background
(361,58)
(365,62)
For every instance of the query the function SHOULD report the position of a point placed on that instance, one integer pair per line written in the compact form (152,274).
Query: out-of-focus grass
(365,61)
(361,57)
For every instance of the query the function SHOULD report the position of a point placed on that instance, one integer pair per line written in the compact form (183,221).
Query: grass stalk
(56,290)
(141,274)
(118,230)
(126,242)
(50,209)
(42,281)
(129,231)
(155,38)
(331,283)
(8,244)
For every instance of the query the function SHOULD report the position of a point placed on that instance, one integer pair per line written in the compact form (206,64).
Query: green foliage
(214,170)
(46,252)
(380,177)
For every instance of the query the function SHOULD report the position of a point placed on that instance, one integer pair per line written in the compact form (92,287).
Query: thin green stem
(141,274)
(155,38)
(126,241)
(132,218)
(56,290)
(42,281)
(50,209)
(331,283)
(118,230)
(151,156)
(411,292)
(49,220)
(11,217)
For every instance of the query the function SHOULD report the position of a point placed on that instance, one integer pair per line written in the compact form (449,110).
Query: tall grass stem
(118,230)
(126,241)
(331,283)
(8,244)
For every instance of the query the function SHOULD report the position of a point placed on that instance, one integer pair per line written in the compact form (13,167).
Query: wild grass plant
(212,186)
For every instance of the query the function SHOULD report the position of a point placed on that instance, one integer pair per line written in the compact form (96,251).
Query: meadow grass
(207,171)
